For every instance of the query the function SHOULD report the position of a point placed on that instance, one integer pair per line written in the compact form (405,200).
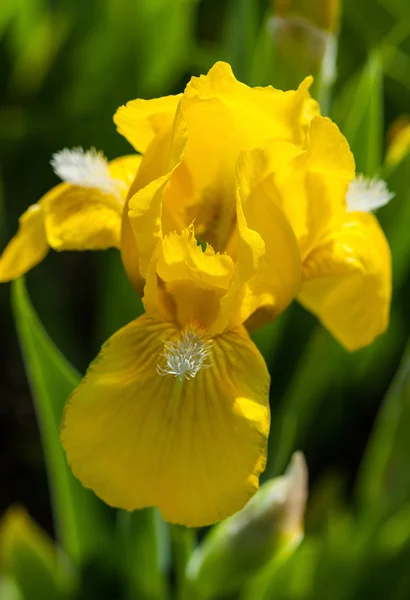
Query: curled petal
(186,283)
(193,448)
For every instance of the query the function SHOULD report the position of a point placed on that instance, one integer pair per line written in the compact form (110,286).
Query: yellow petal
(277,279)
(268,269)
(313,188)
(125,169)
(78,218)
(225,117)
(193,448)
(140,120)
(260,113)
(27,248)
(347,281)
(188,283)
(147,217)
(81,218)
(69,217)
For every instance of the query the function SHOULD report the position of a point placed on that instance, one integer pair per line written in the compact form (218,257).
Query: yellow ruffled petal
(186,283)
(193,448)
(313,188)
(140,120)
(260,113)
(27,248)
(222,117)
(347,281)
(225,117)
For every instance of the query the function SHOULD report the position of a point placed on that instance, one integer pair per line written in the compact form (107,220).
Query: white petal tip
(366,195)
(84,168)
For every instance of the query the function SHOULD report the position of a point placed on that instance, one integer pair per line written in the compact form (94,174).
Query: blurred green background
(66,66)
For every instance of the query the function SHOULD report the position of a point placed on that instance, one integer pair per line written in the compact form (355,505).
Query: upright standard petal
(192,447)
(268,265)
(139,121)
(347,281)
(27,248)
(147,215)
(260,113)
(313,186)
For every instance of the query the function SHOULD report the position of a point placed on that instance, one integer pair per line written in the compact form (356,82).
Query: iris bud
(269,527)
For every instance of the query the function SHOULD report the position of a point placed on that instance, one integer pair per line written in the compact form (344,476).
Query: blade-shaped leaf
(359,112)
(81,528)
(30,559)
(383,484)
(142,543)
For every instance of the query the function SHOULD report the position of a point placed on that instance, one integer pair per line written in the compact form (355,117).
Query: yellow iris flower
(244,199)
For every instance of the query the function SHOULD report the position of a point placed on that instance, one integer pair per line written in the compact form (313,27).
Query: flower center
(85,168)
(365,194)
(185,357)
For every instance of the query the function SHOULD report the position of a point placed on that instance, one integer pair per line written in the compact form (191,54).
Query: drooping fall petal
(82,218)
(193,448)
(27,248)
(70,217)
(347,281)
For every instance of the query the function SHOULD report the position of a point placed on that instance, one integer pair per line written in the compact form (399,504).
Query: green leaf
(80,525)
(118,302)
(383,485)
(30,559)
(8,589)
(395,217)
(359,112)
(183,544)
(142,543)
(241,37)
(322,360)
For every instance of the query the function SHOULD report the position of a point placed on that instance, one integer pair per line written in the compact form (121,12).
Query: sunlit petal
(193,448)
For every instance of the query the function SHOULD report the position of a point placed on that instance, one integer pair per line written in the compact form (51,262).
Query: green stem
(139,545)
(183,543)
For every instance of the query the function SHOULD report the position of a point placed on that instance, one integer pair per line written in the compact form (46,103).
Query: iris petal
(347,281)
(27,248)
(69,217)
(193,449)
